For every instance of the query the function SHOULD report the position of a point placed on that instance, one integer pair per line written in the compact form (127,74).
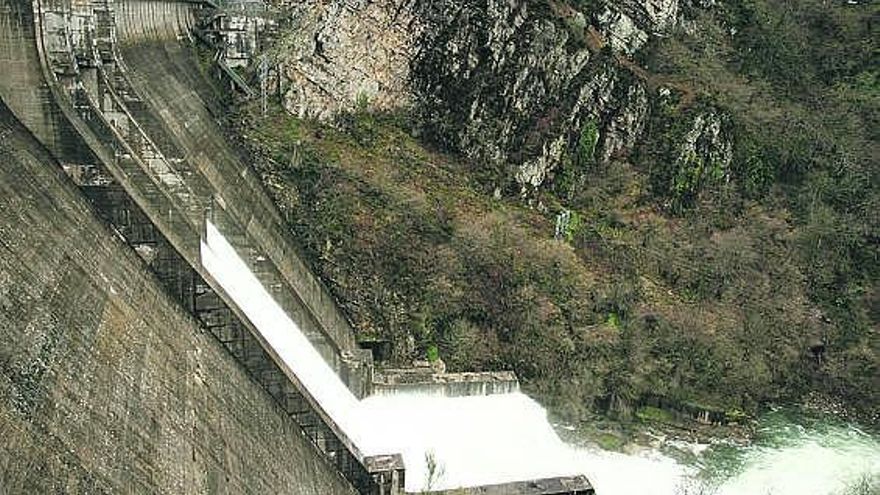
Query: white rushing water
(792,459)
(470,437)
(477,440)
(493,439)
(277,328)
(786,459)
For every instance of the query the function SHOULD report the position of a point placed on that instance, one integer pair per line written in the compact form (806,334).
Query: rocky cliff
(337,55)
(511,85)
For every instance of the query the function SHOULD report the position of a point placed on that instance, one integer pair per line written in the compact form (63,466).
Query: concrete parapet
(426,381)
(563,485)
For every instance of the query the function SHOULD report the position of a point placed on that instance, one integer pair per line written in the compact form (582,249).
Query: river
(791,454)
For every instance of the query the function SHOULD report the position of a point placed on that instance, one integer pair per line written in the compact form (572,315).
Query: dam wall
(135,127)
(23,82)
(164,74)
(156,197)
(124,77)
(106,384)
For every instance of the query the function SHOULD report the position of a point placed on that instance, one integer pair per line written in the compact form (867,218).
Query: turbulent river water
(790,455)
(482,440)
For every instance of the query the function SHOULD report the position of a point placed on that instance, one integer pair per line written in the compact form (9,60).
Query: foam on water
(804,461)
(475,440)
(646,473)
(787,459)
(480,440)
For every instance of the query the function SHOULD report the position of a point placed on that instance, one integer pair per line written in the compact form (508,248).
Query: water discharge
(470,437)
(477,440)
(493,439)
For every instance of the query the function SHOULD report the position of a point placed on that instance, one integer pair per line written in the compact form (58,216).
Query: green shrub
(432,353)
(654,415)
(586,144)
(613,320)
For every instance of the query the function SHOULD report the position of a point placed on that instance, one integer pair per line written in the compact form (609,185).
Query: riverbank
(682,440)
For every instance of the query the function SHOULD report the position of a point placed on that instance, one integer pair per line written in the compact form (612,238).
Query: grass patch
(650,414)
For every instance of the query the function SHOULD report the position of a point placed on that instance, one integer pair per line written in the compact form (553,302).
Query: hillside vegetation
(673,279)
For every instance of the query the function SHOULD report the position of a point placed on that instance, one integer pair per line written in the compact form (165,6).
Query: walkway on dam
(106,384)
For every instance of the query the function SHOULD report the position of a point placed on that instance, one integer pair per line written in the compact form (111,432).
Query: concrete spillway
(112,89)
(471,440)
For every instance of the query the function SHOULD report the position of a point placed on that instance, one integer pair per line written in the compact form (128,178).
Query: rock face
(707,140)
(509,84)
(341,54)
(503,83)
(698,153)
(707,147)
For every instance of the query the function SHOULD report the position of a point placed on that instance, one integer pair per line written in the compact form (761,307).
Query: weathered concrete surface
(573,485)
(106,386)
(22,82)
(425,381)
(149,118)
(168,156)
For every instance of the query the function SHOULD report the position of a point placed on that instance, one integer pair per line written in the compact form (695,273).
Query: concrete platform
(426,381)
(574,485)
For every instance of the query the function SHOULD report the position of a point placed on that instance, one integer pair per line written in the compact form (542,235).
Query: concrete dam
(159,332)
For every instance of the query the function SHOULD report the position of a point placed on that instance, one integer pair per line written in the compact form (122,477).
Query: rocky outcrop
(628,25)
(655,16)
(627,123)
(339,55)
(508,84)
(700,154)
(502,83)
(707,146)
(512,85)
